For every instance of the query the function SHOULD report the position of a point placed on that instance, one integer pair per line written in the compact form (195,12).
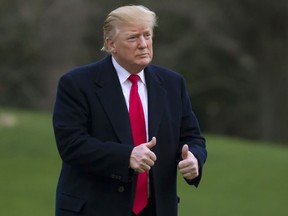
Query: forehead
(127,28)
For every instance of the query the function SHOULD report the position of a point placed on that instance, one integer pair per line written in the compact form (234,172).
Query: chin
(144,62)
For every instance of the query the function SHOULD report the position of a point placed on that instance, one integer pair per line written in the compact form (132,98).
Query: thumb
(185,151)
(152,143)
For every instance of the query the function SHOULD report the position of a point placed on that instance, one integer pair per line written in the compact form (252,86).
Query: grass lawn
(241,178)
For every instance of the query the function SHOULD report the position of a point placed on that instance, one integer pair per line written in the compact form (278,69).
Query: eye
(147,36)
(132,38)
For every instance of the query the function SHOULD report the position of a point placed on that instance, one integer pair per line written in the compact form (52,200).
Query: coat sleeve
(191,134)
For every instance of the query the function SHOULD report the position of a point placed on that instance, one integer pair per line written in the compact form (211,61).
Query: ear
(110,45)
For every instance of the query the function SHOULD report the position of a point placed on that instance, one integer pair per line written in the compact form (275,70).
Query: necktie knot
(134,78)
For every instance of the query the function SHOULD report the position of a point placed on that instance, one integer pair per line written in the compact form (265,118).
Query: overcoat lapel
(156,100)
(112,99)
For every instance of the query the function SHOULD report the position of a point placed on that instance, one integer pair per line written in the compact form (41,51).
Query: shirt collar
(123,74)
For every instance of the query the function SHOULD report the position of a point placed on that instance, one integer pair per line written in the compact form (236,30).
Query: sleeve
(191,134)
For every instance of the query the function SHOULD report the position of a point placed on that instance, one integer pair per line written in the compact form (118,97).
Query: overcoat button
(121,189)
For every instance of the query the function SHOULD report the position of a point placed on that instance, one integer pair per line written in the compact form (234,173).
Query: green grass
(241,178)
(29,165)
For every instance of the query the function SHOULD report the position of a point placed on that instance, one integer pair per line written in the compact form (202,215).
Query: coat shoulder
(163,71)
(88,70)
(165,75)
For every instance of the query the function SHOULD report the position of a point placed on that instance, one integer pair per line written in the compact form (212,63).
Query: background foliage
(233,55)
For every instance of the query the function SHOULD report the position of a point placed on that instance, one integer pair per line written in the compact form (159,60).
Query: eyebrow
(137,33)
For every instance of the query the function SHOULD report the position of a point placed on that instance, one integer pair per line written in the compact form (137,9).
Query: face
(132,46)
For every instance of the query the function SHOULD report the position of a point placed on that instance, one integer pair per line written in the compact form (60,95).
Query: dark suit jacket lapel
(156,100)
(111,97)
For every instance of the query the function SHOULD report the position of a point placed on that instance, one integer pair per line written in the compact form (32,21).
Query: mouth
(143,55)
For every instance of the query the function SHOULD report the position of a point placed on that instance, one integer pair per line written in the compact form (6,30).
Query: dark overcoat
(93,136)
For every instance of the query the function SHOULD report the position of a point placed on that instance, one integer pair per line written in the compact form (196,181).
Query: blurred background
(233,55)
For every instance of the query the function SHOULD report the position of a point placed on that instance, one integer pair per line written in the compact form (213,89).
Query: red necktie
(137,122)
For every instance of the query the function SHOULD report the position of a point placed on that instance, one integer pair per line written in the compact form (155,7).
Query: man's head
(128,33)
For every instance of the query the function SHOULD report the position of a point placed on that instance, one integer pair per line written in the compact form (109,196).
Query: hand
(142,158)
(188,167)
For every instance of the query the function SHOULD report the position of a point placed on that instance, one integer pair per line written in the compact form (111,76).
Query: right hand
(142,158)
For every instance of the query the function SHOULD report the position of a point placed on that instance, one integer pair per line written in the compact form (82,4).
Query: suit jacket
(93,136)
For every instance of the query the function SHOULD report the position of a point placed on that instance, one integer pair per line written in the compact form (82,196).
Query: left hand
(189,166)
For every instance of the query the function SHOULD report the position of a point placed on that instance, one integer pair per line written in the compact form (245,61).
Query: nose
(142,43)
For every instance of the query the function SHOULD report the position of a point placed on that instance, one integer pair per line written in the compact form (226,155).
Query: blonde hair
(130,14)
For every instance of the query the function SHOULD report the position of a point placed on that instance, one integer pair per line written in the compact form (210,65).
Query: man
(121,137)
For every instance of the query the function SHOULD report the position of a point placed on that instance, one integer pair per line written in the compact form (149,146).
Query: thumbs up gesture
(142,158)
(188,166)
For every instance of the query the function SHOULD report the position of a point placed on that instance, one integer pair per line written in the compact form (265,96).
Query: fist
(188,166)
(142,158)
